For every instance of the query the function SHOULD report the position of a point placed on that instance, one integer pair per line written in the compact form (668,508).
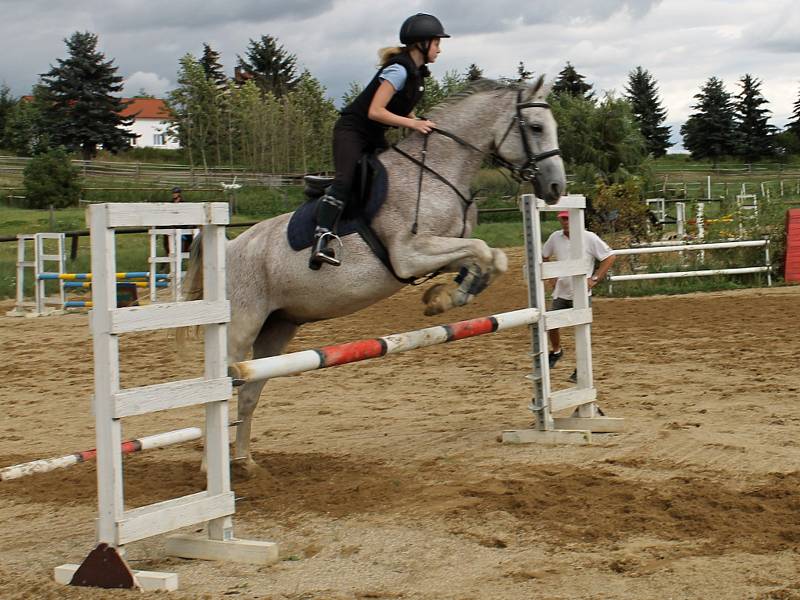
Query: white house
(150,123)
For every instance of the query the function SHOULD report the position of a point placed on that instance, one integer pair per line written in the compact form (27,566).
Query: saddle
(367,197)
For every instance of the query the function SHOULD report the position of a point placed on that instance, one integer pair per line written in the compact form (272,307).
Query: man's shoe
(574,377)
(554,357)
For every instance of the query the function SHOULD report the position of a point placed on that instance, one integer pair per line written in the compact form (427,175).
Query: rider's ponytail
(386,54)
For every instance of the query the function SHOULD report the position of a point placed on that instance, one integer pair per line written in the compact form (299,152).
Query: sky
(680,42)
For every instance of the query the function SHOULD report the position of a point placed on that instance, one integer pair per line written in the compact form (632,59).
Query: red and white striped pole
(329,356)
(128,447)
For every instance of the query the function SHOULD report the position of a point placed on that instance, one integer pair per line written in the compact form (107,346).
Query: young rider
(387,101)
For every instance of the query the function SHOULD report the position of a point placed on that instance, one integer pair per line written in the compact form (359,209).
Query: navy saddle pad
(301,226)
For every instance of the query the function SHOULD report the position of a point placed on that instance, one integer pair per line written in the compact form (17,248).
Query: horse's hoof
(432,291)
(443,302)
(245,469)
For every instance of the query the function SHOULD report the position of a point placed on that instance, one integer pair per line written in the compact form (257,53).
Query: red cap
(563,213)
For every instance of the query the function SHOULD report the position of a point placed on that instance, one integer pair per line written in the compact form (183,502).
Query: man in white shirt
(557,247)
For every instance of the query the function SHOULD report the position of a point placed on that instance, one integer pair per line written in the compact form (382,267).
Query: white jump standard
(215,506)
(586,418)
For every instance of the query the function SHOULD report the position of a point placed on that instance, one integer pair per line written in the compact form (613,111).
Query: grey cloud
(188,14)
(499,15)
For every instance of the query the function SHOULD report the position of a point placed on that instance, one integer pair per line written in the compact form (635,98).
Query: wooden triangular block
(104,568)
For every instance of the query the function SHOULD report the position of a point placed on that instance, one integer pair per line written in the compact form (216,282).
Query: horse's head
(527,140)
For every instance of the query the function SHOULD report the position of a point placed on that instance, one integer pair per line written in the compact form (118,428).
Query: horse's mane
(473,87)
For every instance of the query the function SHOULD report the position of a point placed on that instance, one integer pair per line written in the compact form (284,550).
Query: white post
(22,264)
(40,258)
(110,503)
(701,231)
(216,367)
(540,406)
(767,263)
(680,218)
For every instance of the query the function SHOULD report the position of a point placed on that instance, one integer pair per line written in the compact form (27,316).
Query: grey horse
(273,292)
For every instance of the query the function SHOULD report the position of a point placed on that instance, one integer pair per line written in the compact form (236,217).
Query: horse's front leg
(476,263)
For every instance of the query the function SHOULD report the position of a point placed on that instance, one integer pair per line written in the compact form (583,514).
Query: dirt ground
(384,479)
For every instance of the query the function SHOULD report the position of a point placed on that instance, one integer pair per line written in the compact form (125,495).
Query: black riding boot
(329,209)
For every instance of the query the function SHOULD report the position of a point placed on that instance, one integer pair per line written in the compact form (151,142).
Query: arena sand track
(384,479)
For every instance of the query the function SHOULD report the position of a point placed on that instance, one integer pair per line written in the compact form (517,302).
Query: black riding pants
(351,140)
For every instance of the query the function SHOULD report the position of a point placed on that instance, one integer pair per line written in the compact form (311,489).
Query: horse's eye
(536,128)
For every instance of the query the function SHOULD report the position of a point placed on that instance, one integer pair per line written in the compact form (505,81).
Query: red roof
(147,108)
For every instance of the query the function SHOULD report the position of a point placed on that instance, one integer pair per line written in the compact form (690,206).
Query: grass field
(491,188)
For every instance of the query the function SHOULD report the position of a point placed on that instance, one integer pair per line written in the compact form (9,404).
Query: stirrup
(321,253)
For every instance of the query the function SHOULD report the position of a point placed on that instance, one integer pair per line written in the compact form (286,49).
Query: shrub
(51,180)
(618,208)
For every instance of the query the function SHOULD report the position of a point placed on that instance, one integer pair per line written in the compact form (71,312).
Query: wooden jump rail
(341,354)
(46,465)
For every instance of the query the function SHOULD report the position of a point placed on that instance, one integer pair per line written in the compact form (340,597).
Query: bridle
(529,169)
(525,172)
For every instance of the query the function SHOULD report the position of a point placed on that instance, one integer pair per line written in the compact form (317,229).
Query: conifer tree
(754,131)
(710,132)
(642,93)
(83,112)
(474,72)
(273,68)
(212,67)
(793,125)
(571,82)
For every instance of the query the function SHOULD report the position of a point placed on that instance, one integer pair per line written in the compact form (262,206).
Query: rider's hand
(423,126)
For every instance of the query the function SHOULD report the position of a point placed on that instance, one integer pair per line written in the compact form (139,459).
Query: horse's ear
(536,88)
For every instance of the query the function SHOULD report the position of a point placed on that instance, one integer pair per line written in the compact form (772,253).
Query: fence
(162,174)
(700,273)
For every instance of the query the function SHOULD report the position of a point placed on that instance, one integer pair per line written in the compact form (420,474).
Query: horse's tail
(192,287)
(193,281)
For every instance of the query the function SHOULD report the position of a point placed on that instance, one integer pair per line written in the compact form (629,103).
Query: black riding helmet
(421,28)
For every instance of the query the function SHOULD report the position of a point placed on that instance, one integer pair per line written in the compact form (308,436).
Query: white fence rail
(766,268)
(163,174)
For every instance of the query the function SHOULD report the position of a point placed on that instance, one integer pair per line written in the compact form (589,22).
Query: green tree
(195,105)
(313,116)
(642,93)
(25,132)
(212,67)
(51,180)
(599,140)
(754,131)
(793,125)
(474,72)
(436,91)
(710,132)
(273,68)
(7,103)
(83,112)
(569,81)
(353,89)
